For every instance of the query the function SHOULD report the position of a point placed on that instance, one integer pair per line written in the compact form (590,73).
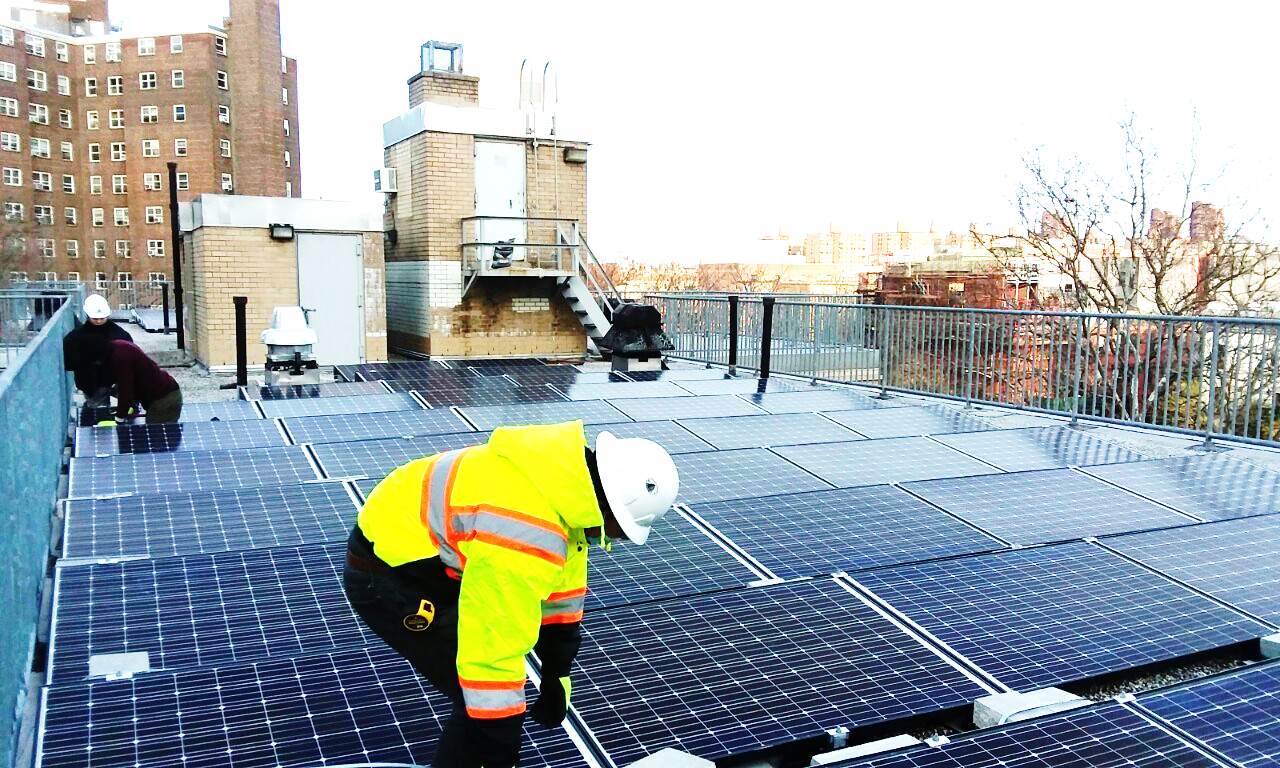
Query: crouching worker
(465,561)
(139,379)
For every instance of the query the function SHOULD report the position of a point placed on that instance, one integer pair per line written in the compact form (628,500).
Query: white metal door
(500,192)
(331,291)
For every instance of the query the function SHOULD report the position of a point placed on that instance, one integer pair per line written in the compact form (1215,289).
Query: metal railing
(25,308)
(1214,376)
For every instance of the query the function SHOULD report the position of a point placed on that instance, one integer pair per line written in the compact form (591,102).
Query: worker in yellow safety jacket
(465,561)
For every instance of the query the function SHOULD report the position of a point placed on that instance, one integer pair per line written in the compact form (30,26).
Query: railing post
(1075,385)
(884,331)
(1213,389)
(968,385)
(164,305)
(733,335)
(766,335)
(242,362)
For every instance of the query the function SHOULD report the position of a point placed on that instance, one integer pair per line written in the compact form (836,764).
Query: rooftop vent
(442,57)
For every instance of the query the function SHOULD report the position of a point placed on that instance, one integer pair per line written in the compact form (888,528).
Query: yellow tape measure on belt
(416,622)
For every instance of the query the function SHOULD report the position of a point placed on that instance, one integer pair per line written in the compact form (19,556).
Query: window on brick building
(124,249)
(73,277)
(284,95)
(150,147)
(224,80)
(288,159)
(115,85)
(46,246)
(62,51)
(122,217)
(151,181)
(68,184)
(100,278)
(37,80)
(64,118)
(147,81)
(224,113)
(288,189)
(227,186)
(183,180)
(90,54)
(224,147)
(73,252)
(6,36)
(112,51)
(286,127)
(40,147)
(91,86)
(120,184)
(178,78)
(38,113)
(100,251)
(10,142)
(179,113)
(149,114)
(95,185)
(42,181)
(146,46)
(155,248)
(175,44)
(117,151)
(115,118)
(70,216)
(156,278)
(9,107)
(64,85)
(35,45)
(43,213)
(13,211)
(180,147)
(220,46)
(91,119)
(155,214)
(98,217)
(95,152)
(12,177)
(68,151)
(124,279)
(8,71)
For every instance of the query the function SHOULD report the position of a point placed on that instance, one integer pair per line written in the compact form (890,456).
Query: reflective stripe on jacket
(507,518)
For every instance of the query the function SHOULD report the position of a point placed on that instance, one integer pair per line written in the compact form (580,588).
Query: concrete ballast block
(862,750)
(1271,646)
(1011,707)
(672,758)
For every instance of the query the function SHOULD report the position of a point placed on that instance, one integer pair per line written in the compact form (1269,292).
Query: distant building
(1207,222)
(1164,224)
(90,117)
(903,239)
(836,247)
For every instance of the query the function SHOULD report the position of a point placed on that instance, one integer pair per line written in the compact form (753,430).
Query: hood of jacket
(552,457)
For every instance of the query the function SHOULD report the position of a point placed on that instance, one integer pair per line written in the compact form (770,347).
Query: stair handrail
(608,293)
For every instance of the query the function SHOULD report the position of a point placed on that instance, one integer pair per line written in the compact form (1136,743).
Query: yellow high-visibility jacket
(507,518)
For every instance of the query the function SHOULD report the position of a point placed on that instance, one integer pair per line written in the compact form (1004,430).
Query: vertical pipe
(242,353)
(733,335)
(175,231)
(164,305)
(1213,387)
(766,335)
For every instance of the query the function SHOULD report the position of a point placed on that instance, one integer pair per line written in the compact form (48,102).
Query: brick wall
(257,107)
(444,88)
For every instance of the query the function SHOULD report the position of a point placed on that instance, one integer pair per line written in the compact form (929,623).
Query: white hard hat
(640,482)
(96,307)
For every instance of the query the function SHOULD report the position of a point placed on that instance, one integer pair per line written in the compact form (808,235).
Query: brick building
(89,119)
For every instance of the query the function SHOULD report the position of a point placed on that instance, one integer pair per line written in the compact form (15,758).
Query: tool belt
(360,555)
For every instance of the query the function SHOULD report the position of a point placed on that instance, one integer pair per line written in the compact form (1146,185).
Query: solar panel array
(823,552)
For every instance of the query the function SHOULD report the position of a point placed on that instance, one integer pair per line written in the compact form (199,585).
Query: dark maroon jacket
(138,378)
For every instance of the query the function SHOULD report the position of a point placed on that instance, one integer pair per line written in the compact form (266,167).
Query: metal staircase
(591,294)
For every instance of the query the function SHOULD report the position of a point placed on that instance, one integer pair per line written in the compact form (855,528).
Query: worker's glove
(494,743)
(106,423)
(553,702)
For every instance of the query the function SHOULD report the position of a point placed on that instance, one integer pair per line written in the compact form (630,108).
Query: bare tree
(1138,240)
(17,247)
(669,276)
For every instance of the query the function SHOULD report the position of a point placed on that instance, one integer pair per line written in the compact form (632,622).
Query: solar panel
(1105,736)
(376,458)
(159,525)
(370,426)
(324,389)
(350,707)
(739,474)
(1235,560)
(670,435)
(331,406)
(1045,505)
(624,390)
(188,471)
(154,320)
(191,436)
(817,400)
(733,672)
(681,374)
(757,431)
(203,610)
(441,397)
(494,416)
(661,409)
(1236,713)
(909,421)
(872,462)
(678,559)
(741,386)
(551,374)
(822,532)
(1050,615)
(376,371)
(1268,459)
(227,410)
(1039,448)
(1211,486)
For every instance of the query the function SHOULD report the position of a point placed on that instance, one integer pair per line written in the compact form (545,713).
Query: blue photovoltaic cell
(1105,736)
(203,610)
(464,382)
(741,386)
(189,436)
(1235,561)
(1211,486)
(510,394)
(377,371)
(494,416)
(351,707)
(663,408)
(1039,448)
(682,374)
(1050,615)
(678,559)
(670,435)
(331,406)
(370,426)
(1045,505)
(909,421)
(822,532)
(159,525)
(718,475)
(376,458)
(759,431)
(323,389)
(230,410)
(820,400)
(725,674)
(188,471)
(1237,714)
(890,460)
(624,391)
(551,374)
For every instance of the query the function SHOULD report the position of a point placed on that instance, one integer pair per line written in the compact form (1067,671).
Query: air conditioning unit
(384,180)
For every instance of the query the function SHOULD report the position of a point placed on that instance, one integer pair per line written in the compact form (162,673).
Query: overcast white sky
(713,123)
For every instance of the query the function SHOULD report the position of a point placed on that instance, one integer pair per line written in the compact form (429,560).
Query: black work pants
(382,597)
